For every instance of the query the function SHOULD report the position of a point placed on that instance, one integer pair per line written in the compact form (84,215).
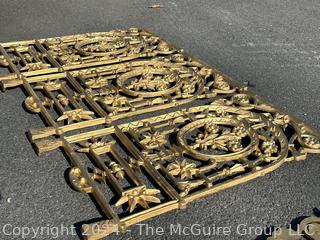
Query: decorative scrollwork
(211,134)
(94,92)
(154,82)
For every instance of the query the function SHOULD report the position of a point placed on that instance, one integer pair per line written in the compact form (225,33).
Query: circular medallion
(218,138)
(102,46)
(156,81)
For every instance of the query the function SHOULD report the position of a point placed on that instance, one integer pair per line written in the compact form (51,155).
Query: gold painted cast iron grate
(154,125)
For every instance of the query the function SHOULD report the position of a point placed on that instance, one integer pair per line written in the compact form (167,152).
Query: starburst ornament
(182,169)
(138,196)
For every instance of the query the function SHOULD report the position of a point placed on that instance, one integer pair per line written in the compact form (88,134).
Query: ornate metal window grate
(94,92)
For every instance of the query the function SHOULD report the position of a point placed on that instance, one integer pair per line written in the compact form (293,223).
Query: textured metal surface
(159,163)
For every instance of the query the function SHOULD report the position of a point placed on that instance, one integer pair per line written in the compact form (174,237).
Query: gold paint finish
(101,96)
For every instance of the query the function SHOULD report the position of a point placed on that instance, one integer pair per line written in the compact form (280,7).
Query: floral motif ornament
(149,82)
(223,134)
(153,140)
(92,143)
(76,115)
(227,140)
(281,119)
(102,47)
(269,147)
(152,81)
(183,169)
(50,85)
(115,100)
(219,85)
(35,66)
(71,59)
(311,142)
(138,196)
(98,82)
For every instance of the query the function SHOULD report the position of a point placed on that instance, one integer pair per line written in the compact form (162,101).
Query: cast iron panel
(147,128)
